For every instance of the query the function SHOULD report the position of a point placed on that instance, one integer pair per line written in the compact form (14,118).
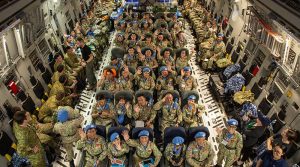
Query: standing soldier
(230,144)
(144,149)
(175,152)
(186,81)
(103,112)
(145,82)
(171,113)
(68,130)
(200,153)
(192,113)
(29,145)
(94,146)
(142,111)
(117,151)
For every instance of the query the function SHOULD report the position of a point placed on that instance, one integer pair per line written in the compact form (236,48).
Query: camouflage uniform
(218,51)
(186,83)
(104,120)
(69,133)
(144,44)
(96,150)
(170,154)
(232,150)
(57,88)
(48,109)
(143,153)
(143,83)
(200,156)
(167,62)
(190,115)
(72,61)
(180,63)
(145,114)
(66,67)
(27,140)
(113,153)
(150,62)
(165,83)
(125,83)
(131,60)
(171,114)
(119,110)
(110,85)
(42,130)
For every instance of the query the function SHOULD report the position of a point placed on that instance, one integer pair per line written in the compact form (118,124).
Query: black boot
(72,163)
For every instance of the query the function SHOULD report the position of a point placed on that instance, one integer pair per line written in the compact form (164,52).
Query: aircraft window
(43,46)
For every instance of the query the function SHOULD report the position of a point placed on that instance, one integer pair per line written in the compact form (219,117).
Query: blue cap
(62,115)
(144,133)
(192,97)
(146,69)
(187,68)
(264,119)
(200,135)
(220,35)
(122,22)
(114,136)
(163,68)
(232,122)
(89,127)
(177,140)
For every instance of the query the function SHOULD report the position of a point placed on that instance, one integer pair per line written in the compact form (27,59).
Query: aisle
(214,116)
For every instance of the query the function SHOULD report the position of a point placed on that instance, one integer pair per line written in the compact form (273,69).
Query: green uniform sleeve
(80,144)
(210,156)
(168,152)
(239,145)
(158,105)
(179,115)
(129,112)
(153,115)
(132,143)
(103,154)
(156,153)
(118,153)
(184,116)
(189,156)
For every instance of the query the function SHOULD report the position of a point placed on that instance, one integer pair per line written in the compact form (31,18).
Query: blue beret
(177,140)
(232,122)
(192,97)
(264,119)
(122,22)
(199,135)
(163,68)
(114,136)
(89,127)
(146,69)
(62,115)
(220,35)
(143,133)
(187,68)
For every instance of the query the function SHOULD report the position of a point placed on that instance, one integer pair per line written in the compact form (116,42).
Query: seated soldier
(175,152)
(108,81)
(192,113)
(61,86)
(121,26)
(142,111)
(170,109)
(162,29)
(165,58)
(103,112)
(120,41)
(131,58)
(94,145)
(117,150)
(124,112)
(134,28)
(180,40)
(146,27)
(125,81)
(147,42)
(132,40)
(67,128)
(182,59)
(116,62)
(166,81)
(72,60)
(186,81)
(162,41)
(144,149)
(144,80)
(200,152)
(146,58)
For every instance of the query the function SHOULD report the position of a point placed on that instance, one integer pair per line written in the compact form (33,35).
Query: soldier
(192,113)
(146,27)
(72,60)
(142,111)
(29,145)
(61,71)
(68,130)
(144,149)
(230,143)
(120,40)
(124,112)
(61,86)
(130,59)
(121,26)
(186,81)
(94,145)
(218,51)
(162,41)
(165,58)
(180,40)
(108,81)
(182,59)
(117,151)
(103,112)
(116,62)
(132,40)
(125,81)
(171,113)
(145,82)
(166,81)
(134,28)
(59,59)
(175,152)
(147,42)
(163,29)
(146,58)
(200,153)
